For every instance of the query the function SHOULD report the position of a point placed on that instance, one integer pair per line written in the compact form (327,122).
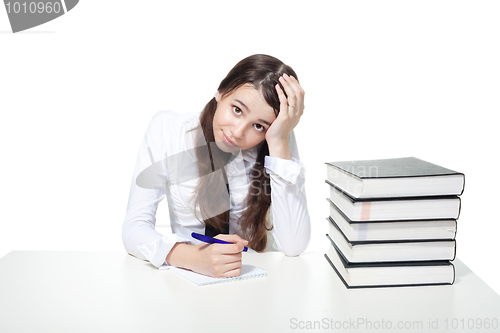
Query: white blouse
(156,176)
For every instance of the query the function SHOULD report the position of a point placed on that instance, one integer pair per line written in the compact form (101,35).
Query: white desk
(114,292)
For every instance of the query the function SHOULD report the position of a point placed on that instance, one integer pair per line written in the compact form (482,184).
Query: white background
(382,78)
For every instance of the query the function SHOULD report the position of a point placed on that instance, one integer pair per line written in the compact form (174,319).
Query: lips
(227,141)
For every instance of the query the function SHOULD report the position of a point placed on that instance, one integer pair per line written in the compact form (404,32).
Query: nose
(238,130)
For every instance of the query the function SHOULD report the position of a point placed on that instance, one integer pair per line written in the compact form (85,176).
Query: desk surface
(114,292)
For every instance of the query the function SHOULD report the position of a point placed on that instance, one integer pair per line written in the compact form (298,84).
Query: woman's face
(241,119)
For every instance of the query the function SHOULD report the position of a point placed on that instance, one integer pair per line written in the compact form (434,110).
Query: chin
(222,146)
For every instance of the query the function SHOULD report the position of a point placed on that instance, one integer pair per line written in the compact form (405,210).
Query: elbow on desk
(127,243)
(130,243)
(293,245)
(293,253)
(293,249)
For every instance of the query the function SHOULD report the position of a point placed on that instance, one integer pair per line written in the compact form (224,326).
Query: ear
(217,96)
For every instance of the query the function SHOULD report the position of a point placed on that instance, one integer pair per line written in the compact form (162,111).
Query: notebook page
(247,272)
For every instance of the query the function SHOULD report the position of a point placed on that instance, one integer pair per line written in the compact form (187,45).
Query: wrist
(178,255)
(279,148)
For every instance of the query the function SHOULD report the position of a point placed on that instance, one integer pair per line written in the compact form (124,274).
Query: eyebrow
(246,107)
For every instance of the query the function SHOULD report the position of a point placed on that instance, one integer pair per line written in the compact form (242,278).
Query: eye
(259,127)
(237,110)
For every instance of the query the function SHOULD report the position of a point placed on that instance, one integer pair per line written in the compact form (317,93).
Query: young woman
(232,172)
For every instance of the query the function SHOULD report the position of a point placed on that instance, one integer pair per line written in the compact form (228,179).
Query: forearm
(292,227)
(291,222)
(280,149)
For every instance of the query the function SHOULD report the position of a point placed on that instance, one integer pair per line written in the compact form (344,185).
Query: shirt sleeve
(291,222)
(139,236)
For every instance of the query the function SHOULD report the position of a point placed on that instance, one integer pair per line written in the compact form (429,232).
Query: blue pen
(211,240)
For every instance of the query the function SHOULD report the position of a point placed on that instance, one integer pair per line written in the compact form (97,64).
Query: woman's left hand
(291,109)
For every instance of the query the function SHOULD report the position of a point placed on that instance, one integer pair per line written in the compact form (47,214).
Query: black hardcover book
(393,230)
(397,177)
(398,208)
(391,250)
(389,274)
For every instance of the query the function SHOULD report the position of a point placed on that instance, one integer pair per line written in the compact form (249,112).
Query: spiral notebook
(247,272)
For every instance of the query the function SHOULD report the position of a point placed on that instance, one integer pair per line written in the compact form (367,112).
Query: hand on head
(291,109)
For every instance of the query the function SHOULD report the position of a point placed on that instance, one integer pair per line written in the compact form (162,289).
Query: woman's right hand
(216,260)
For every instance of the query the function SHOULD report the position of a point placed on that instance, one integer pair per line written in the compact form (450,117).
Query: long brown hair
(262,72)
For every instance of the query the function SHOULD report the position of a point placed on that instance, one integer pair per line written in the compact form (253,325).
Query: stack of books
(393,222)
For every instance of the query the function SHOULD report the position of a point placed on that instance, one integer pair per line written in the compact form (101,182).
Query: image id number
(33,7)
(471,323)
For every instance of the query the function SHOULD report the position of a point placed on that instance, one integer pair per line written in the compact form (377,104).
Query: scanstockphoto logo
(24,15)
